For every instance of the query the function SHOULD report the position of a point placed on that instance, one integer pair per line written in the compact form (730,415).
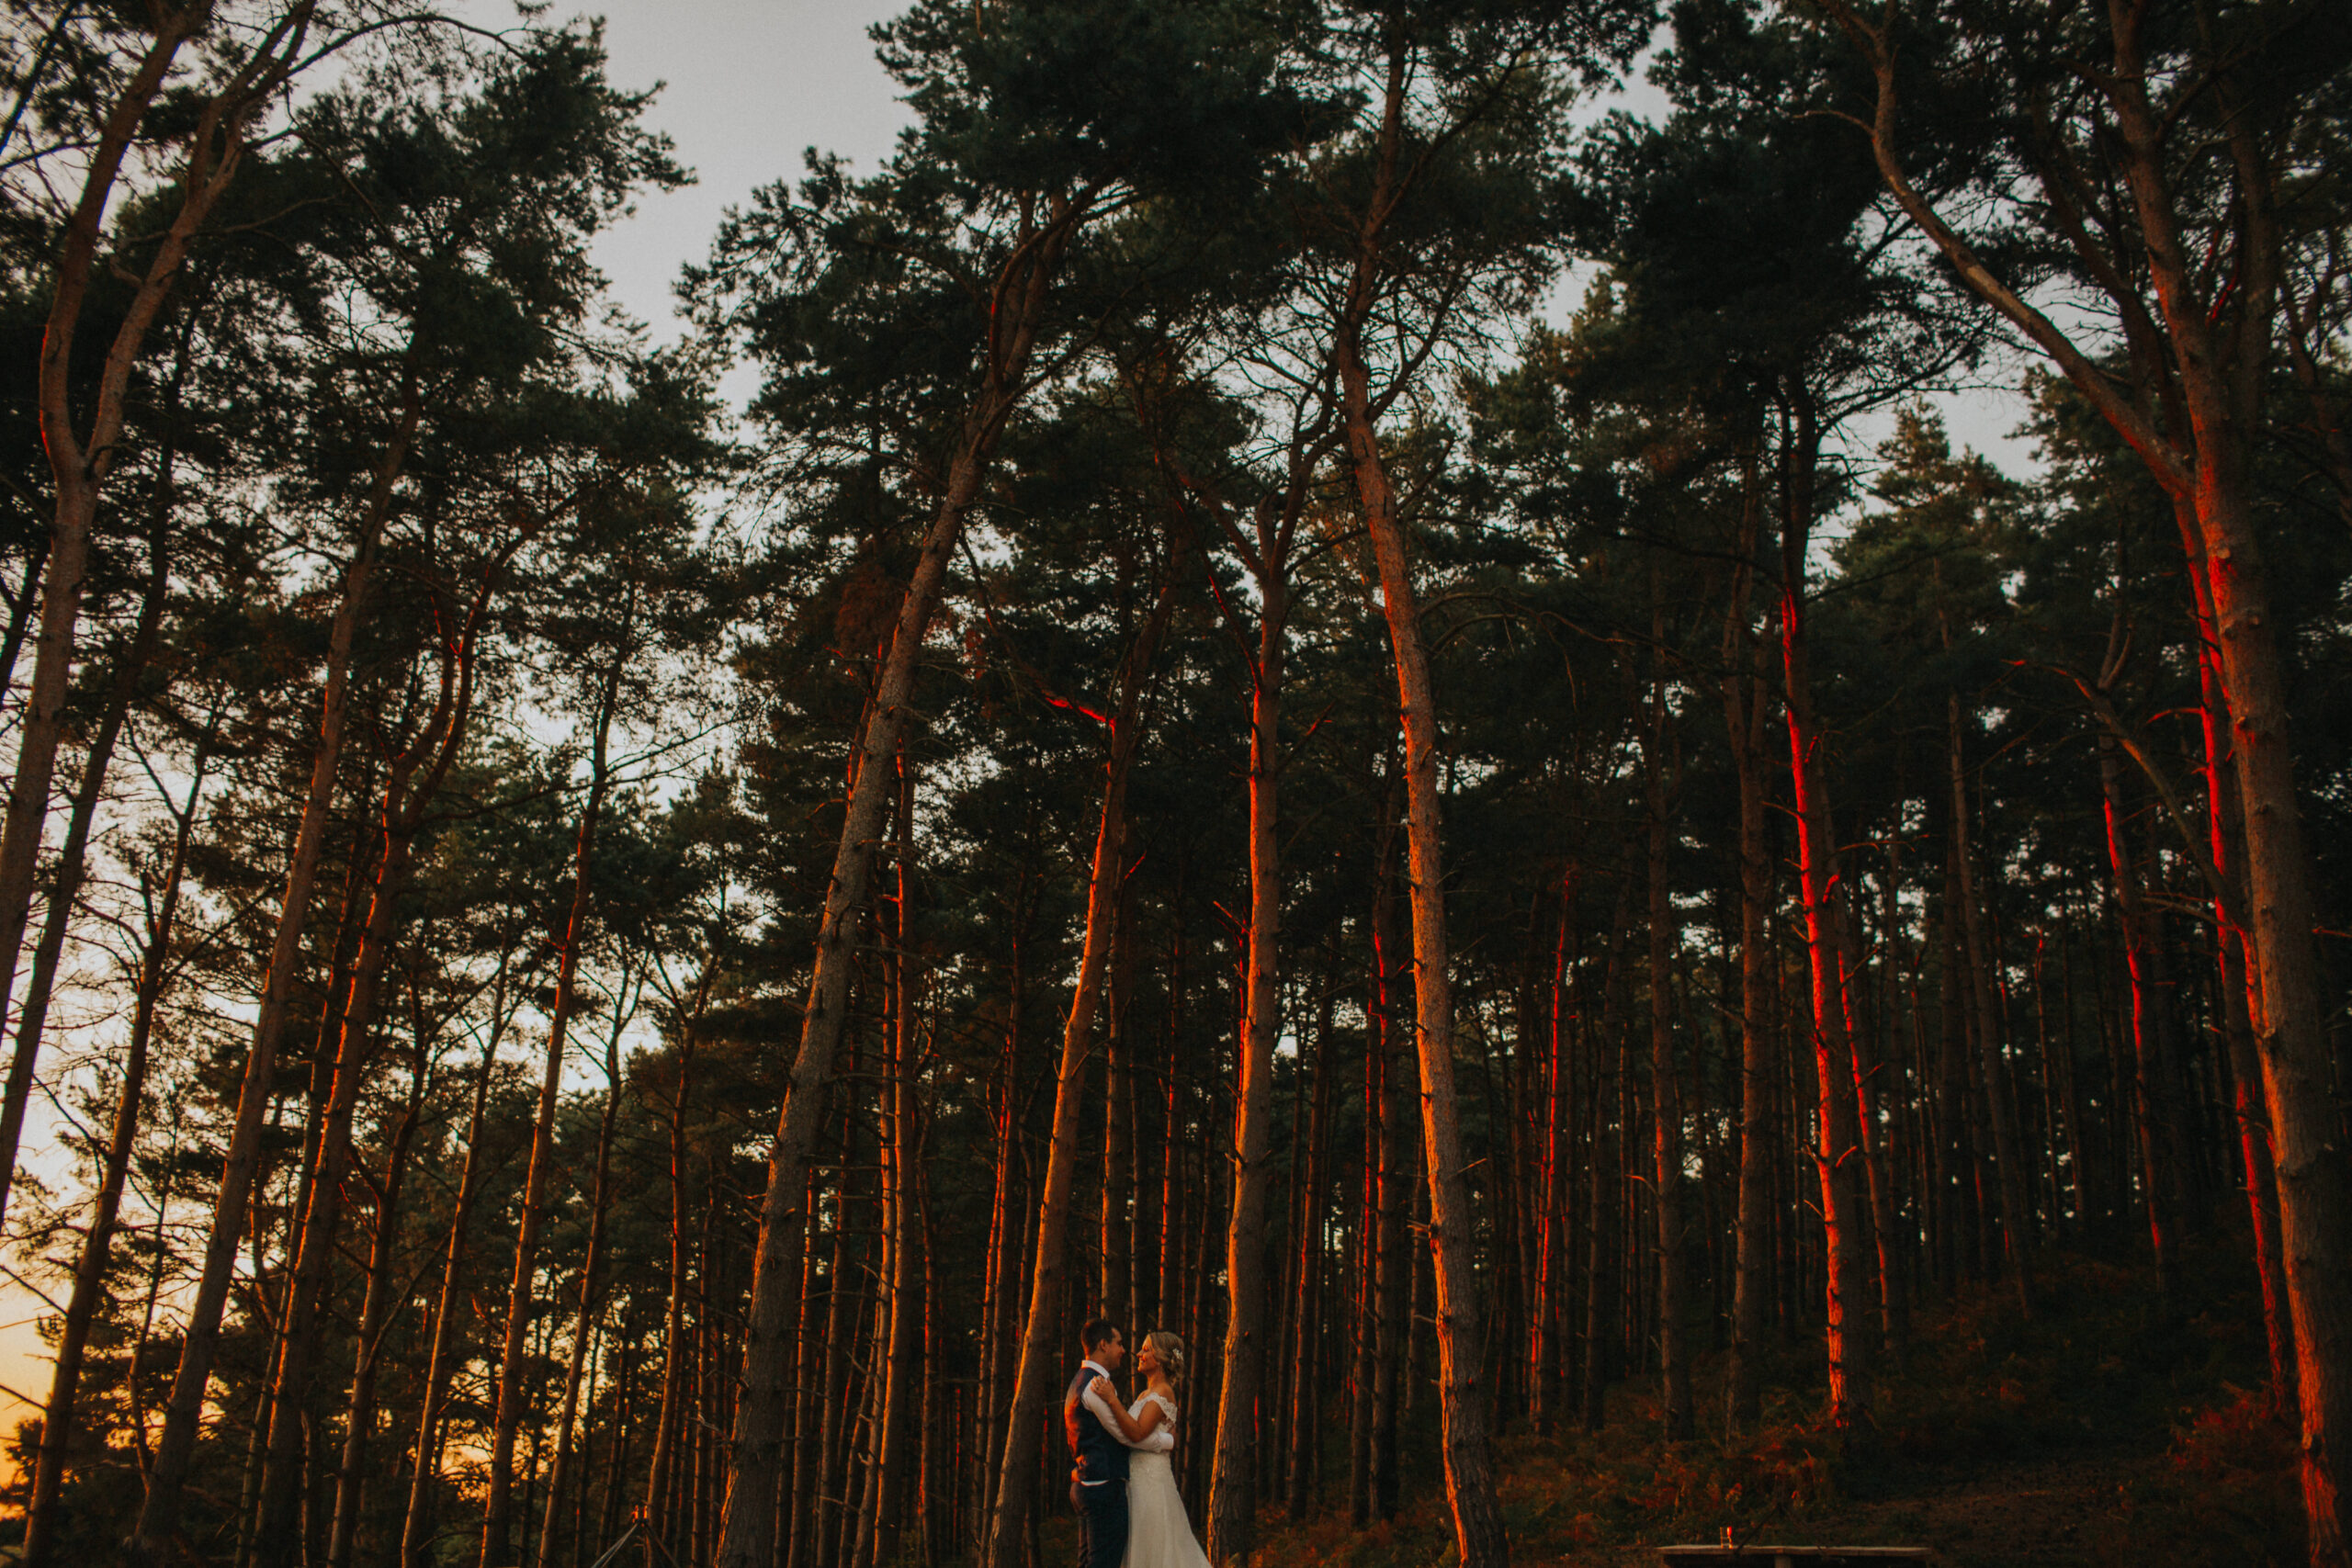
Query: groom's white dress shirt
(1094,1401)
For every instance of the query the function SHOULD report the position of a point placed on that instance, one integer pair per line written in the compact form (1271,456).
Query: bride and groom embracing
(1125,1491)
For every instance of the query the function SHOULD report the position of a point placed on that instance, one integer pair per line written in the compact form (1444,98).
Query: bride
(1159,1533)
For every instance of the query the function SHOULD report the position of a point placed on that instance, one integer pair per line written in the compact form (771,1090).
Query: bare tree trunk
(2152,1116)
(278,1542)
(414,779)
(1838,1123)
(167,1476)
(1232,1502)
(1746,701)
(1018,310)
(1665,1096)
(1479,1532)
(375,1316)
(1478,1527)
(497,1502)
(1306,1400)
(1032,1384)
(669,1422)
(1548,1319)
(81,460)
(904,1305)
(59,1427)
(122,688)
(416,1523)
(2017,1221)
(584,1316)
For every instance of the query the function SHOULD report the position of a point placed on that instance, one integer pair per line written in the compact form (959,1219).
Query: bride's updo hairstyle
(1169,1351)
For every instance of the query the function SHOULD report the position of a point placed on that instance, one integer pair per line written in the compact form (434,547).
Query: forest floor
(2102,1432)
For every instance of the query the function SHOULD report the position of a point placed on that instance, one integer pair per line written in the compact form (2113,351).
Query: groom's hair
(1097,1330)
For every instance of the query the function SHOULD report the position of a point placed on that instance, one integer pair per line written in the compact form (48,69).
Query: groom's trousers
(1102,1513)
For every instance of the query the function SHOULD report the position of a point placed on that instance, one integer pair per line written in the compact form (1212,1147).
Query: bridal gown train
(1158,1534)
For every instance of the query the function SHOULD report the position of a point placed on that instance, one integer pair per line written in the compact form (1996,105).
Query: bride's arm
(1131,1431)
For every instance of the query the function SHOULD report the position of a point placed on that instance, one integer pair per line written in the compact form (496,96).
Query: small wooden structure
(1760,1553)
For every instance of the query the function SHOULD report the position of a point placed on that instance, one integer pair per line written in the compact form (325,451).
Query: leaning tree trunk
(1837,1145)
(498,1491)
(1025,1423)
(81,459)
(2212,352)
(158,1525)
(59,1427)
(1479,1533)
(1232,1501)
(748,1529)
(383,1299)
(416,1522)
(584,1315)
(72,858)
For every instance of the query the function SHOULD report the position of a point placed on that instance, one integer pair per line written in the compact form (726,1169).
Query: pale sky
(750,83)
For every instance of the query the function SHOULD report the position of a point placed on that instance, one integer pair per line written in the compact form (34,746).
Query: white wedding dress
(1159,1533)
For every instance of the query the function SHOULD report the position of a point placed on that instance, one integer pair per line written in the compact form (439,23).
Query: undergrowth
(2154,1422)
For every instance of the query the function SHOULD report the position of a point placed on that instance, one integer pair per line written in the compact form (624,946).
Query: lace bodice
(1161,1438)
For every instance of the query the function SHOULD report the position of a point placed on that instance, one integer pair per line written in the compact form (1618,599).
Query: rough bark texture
(2209,353)
(1469,1465)
(1836,1151)
(1232,1500)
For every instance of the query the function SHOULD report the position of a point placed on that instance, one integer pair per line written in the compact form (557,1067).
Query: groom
(1101,1491)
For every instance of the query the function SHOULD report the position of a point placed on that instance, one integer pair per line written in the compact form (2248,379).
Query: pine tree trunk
(1307,1402)
(159,1513)
(1479,1533)
(130,668)
(1232,1502)
(2232,943)
(2017,1219)
(1665,1096)
(755,1456)
(586,1313)
(1745,702)
(416,1524)
(278,1538)
(1024,1422)
(81,460)
(2152,1117)
(59,1427)
(669,1425)
(375,1316)
(498,1495)
(900,1373)
(1846,1289)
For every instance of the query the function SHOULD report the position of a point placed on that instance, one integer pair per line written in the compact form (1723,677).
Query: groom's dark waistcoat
(1105,1456)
